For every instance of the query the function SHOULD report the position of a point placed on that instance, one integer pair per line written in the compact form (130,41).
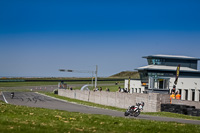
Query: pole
(176,80)
(129,79)
(67,70)
(96,77)
(92,79)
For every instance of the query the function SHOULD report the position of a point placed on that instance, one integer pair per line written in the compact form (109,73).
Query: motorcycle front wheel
(136,114)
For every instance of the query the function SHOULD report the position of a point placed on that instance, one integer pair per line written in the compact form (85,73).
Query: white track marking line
(4,98)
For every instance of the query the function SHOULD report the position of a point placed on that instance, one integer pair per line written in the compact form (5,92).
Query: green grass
(113,88)
(174,115)
(17,119)
(103,84)
(18,84)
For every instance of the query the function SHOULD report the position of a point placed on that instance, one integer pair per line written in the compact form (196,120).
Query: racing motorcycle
(12,95)
(134,110)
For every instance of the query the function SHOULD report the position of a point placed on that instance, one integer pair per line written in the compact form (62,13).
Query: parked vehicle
(134,110)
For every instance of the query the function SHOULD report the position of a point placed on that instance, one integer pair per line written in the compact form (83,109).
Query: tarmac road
(33,99)
(38,100)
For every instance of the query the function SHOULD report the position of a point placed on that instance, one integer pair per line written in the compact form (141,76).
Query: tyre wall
(186,102)
(180,109)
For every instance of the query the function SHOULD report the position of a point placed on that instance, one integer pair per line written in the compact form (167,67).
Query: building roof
(171,57)
(167,68)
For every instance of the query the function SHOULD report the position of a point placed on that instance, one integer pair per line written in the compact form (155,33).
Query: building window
(158,83)
(180,91)
(199,95)
(193,94)
(156,61)
(139,90)
(186,94)
(144,76)
(132,90)
(161,84)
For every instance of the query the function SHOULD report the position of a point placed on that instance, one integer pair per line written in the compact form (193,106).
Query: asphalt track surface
(33,99)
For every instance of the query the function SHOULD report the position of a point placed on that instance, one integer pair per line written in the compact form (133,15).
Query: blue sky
(38,37)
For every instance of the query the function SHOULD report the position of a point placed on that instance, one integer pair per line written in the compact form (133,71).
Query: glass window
(139,90)
(132,90)
(151,82)
(158,83)
(156,61)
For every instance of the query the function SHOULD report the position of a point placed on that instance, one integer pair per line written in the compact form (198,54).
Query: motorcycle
(134,110)
(12,95)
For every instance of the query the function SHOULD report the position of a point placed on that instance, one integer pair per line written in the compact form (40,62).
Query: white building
(160,74)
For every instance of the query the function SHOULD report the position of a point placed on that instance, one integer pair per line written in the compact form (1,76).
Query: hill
(127,74)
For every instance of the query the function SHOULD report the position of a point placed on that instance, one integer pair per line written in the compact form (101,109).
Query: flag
(177,74)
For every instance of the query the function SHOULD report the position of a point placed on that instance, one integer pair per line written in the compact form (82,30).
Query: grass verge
(174,115)
(17,119)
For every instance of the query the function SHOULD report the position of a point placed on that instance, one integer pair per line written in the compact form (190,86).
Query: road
(33,99)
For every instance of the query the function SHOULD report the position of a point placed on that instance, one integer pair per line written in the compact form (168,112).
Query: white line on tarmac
(4,98)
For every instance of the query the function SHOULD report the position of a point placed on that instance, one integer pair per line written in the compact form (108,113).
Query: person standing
(178,96)
(174,89)
(172,96)
(119,89)
(100,89)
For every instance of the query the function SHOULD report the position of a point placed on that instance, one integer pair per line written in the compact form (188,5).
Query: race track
(33,99)
(38,100)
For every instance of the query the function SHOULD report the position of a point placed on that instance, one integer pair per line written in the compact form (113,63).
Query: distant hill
(127,74)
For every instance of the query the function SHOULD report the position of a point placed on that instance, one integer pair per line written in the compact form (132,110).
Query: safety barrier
(180,109)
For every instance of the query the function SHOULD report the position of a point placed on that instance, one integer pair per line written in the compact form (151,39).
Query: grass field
(104,84)
(54,81)
(18,84)
(17,119)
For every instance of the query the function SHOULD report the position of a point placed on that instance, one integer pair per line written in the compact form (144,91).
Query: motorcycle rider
(140,105)
(12,94)
(134,110)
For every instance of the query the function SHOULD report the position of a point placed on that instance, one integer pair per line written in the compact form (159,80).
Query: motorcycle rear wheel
(126,113)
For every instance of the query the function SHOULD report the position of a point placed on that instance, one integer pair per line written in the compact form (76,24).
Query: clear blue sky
(38,37)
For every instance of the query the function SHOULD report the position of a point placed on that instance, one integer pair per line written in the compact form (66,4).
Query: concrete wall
(122,100)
